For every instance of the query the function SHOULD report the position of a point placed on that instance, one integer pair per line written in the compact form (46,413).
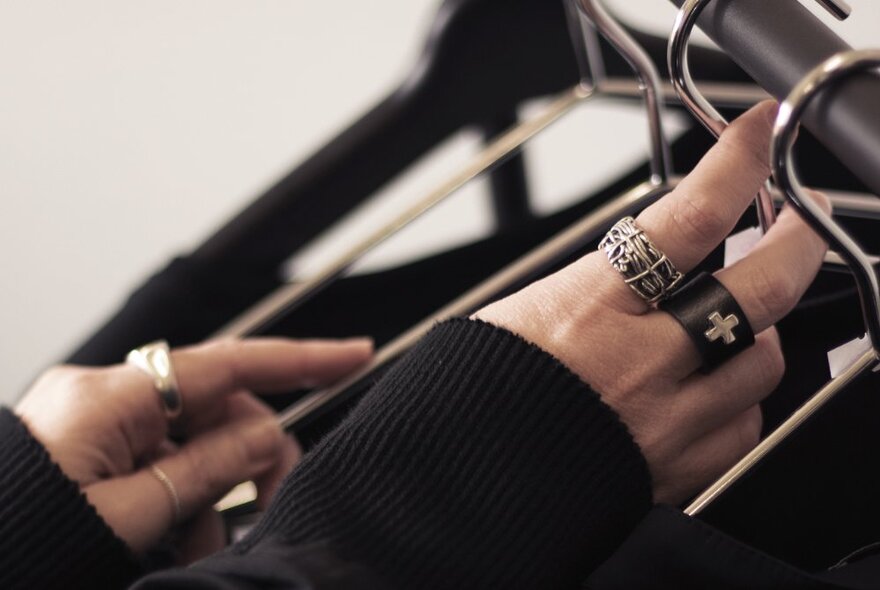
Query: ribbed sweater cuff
(478,461)
(50,536)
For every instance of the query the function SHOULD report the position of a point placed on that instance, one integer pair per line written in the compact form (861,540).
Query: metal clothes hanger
(565,244)
(715,123)
(288,297)
(860,263)
(689,94)
(592,83)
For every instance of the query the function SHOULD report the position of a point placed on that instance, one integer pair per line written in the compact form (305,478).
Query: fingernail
(365,341)
(263,438)
(772,113)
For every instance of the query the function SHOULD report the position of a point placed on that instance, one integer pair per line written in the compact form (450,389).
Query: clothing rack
(778,43)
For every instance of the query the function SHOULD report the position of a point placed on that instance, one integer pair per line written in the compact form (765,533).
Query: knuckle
(56,375)
(222,347)
(77,381)
(772,362)
(751,146)
(822,199)
(749,430)
(228,350)
(775,293)
(698,220)
(204,480)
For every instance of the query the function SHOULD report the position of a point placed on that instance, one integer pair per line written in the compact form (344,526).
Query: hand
(690,426)
(104,427)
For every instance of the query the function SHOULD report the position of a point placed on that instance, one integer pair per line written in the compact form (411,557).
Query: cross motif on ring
(722,328)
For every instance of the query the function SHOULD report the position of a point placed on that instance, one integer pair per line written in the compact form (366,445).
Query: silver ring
(643,266)
(154,359)
(169,487)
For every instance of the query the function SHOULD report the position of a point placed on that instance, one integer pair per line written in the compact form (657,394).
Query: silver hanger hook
(782,162)
(690,96)
(649,79)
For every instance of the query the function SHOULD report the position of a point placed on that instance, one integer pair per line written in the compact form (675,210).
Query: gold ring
(154,359)
(169,487)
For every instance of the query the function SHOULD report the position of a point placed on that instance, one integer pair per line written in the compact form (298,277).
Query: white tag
(738,245)
(846,354)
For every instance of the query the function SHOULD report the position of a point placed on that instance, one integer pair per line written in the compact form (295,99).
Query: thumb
(140,507)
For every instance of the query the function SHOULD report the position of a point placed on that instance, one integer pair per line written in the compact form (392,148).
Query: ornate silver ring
(643,266)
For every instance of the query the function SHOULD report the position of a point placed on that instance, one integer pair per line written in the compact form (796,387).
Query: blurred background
(129,131)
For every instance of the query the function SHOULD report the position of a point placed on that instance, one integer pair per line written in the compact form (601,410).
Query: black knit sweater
(479,461)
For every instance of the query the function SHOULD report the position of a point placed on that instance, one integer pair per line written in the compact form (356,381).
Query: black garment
(478,461)
(50,537)
(799,519)
(671,550)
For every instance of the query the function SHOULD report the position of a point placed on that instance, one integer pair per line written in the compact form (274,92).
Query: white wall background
(130,130)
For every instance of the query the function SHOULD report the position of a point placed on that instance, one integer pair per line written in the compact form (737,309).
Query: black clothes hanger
(496,54)
(561,247)
(472,49)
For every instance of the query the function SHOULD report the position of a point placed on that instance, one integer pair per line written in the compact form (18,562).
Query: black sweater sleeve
(479,461)
(50,536)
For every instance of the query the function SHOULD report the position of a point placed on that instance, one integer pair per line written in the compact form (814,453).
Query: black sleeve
(479,461)
(50,536)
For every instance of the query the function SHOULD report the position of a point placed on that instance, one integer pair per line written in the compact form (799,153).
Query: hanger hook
(649,79)
(782,161)
(693,99)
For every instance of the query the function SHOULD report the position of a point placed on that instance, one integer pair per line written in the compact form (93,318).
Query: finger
(244,406)
(210,371)
(767,284)
(270,482)
(694,218)
(770,281)
(742,382)
(688,223)
(709,457)
(204,535)
(140,509)
(266,364)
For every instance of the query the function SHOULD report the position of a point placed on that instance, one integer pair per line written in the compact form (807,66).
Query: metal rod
(784,135)
(727,94)
(702,109)
(649,79)
(288,296)
(531,263)
(867,361)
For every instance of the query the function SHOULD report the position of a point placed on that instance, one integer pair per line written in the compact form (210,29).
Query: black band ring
(712,318)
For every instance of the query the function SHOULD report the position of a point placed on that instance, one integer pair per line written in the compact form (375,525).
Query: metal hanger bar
(533,262)
(830,71)
(658,183)
(697,104)
(837,8)
(648,77)
(847,204)
(867,361)
(288,296)
(725,94)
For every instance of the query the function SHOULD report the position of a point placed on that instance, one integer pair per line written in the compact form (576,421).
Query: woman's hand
(690,426)
(105,427)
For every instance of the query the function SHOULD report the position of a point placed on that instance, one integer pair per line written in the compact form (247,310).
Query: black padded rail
(778,42)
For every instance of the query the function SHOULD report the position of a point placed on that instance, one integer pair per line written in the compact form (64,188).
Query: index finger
(218,368)
(208,372)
